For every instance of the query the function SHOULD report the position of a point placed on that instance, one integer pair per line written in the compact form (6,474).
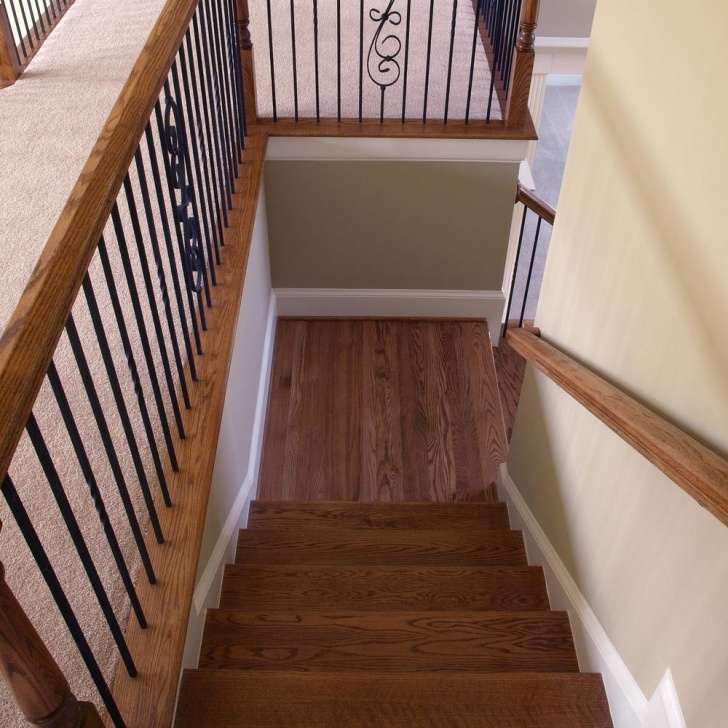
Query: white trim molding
(562,56)
(392,303)
(596,652)
(342,149)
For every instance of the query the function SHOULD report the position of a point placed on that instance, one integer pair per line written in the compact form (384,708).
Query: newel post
(32,675)
(9,62)
(522,71)
(246,55)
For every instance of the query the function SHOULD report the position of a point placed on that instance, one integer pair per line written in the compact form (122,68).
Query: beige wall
(636,286)
(399,225)
(565,18)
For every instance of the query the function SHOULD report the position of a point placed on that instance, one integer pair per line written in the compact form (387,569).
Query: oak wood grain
(31,674)
(517,113)
(250,699)
(10,67)
(699,471)
(393,128)
(383,588)
(533,202)
(393,546)
(389,641)
(510,370)
(428,515)
(381,410)
(29,340)
(148,700)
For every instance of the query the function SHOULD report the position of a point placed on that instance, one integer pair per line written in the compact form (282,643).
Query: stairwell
(373,614)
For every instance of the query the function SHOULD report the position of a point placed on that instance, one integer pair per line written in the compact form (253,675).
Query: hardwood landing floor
(382,410)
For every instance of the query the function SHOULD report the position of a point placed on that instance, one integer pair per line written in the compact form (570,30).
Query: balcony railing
(24,25)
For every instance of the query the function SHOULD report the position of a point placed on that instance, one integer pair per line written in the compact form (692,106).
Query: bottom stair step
(233,699)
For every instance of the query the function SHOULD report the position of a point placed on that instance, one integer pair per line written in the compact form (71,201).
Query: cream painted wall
(565,18)
(397,225)
(635,286)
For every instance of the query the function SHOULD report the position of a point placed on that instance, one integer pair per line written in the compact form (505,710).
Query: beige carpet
(350,30)
(49,121)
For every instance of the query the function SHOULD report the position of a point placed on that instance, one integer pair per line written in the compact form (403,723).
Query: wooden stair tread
(387,588)
(391,546)
(234,698)
(428,515)
(391,641)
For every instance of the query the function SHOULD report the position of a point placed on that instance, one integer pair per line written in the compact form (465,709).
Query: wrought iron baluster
(54,481)
(449,62)
(530,270)
(515,269)
(96,497)
(64,607)
(429,57)
(161,276)
(272,62)
(295,64)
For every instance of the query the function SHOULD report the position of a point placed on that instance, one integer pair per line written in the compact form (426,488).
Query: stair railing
(24,25)
(527,250)
(700,472)
(149,252)
(370,83)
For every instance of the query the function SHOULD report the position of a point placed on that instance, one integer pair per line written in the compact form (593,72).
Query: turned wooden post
(36,682)
(522,71)
(9,64)
(246,55)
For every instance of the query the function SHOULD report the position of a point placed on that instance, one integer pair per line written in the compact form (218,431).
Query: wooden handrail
(32,675)
(533,202)
(30,338)
(523,60)
(699,471)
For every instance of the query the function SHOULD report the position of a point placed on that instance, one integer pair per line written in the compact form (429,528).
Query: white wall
(235,477)
(635,287)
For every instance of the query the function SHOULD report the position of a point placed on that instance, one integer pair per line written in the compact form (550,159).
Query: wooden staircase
(380,614)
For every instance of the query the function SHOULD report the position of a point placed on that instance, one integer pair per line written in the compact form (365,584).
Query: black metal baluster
(54,480)
(427,66)
(338,60)
(361,60)
(142,328)
(205,143)
(108,443)
(223,171)
(228,81)
(156,323)
(40,16)
(96,497)
(449,62)
(49,4)
(512,37)
(272,64)
(48,17)
(27,25)
(161,276)
(515,269)
(295,69)
(203,201)
(494,38)
(195,253)
(219,95)
(49,575)
(530,269)
(20,30)
(406,60)
(472,60)
(316,57)
(177,231)
(85,372)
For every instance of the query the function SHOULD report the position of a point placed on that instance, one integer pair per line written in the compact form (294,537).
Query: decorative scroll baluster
(522,69)
(383,52)
(32,675)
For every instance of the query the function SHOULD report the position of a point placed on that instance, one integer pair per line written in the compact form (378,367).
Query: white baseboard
(628,704)
(361,302)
